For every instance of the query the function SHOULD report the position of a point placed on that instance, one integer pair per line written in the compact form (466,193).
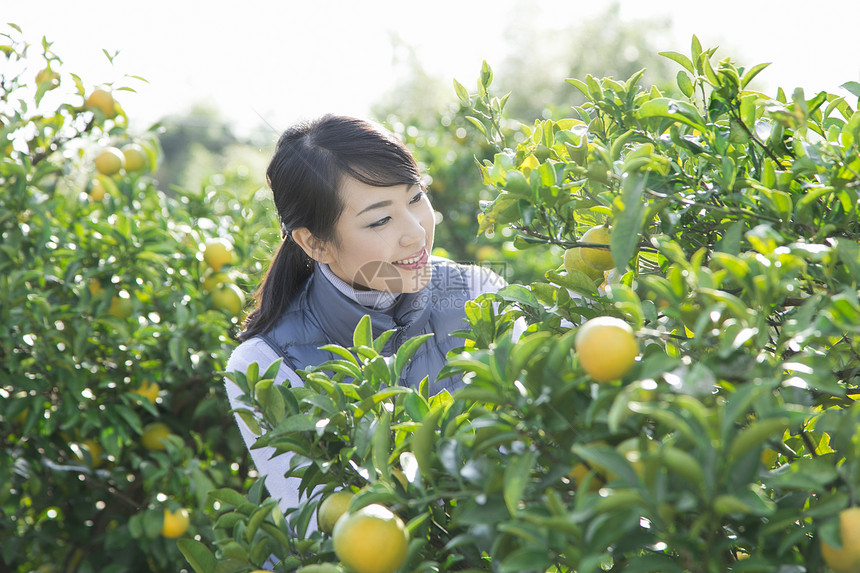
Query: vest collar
(338,314)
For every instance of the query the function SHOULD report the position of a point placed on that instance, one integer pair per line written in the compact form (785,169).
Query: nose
(413,232)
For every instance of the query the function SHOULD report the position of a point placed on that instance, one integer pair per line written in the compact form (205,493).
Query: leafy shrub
(730,445)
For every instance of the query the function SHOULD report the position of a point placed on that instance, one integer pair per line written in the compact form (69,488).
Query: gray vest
(320,314)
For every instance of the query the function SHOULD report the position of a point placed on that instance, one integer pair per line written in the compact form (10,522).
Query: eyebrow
(379,204)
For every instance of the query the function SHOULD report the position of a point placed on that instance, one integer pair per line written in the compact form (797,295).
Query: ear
(315,248)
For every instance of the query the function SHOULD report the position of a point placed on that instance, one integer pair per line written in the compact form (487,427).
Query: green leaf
(381,444)
(628,220)
(685,84)
(197,555)
(578,84)
(753,72)
(228,496)
(363,334)
(424,440)
(852,87)
(525,559)
(517,476)
(673,109)
(755,434)
(680,59)
(462,94)
(405,352)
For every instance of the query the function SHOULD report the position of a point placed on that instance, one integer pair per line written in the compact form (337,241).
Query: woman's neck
(375,299)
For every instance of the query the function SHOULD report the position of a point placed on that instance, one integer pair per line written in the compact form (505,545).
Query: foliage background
(70,368)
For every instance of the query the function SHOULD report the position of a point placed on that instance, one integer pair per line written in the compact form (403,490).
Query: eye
(418,197)
(379,223)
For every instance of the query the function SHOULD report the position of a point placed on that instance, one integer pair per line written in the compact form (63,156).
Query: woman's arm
(272,469)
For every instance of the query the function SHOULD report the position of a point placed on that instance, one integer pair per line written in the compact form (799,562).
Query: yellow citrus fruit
(606,347)
(578,474)
(175,523)
(847,559)
(599,259)
(120,307)
(135,157)
(228,297)
(573,262)
(103,100)
(110,161)
(371,540)
(217,253)
(97,190)
(214,280)
(332,508)
(148,391)
(153,436)
(95,287)
(48,75)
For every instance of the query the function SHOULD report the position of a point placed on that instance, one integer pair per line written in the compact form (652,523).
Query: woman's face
(383,237)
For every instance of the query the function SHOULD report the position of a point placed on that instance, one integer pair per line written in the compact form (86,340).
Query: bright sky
(282,60)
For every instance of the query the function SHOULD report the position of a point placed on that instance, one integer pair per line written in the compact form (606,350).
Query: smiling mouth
(416,260)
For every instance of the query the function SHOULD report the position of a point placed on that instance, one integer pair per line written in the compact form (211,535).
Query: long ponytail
(289,269)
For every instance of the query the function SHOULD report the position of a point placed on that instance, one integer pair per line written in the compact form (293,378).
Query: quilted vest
(320,314)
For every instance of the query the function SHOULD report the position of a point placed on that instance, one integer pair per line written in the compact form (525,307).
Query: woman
(358,230)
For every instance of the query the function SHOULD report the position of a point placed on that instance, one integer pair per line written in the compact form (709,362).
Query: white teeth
(409,261)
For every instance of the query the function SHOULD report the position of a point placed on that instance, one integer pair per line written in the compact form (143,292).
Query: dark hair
(309,164)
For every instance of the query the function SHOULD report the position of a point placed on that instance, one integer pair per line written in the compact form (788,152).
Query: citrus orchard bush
(717,431)
(113,425)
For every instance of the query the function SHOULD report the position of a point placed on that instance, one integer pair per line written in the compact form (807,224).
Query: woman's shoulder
(480,278)
(254,349)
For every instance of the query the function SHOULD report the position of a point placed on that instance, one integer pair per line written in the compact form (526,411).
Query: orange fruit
(573,262)
(371,540)
(109,161)
(847,559)
(175,523)
(606,347)
(153,436)
(135,157)
(229,298)
(599,259)
(217,253)
(331,508)
(103,100)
